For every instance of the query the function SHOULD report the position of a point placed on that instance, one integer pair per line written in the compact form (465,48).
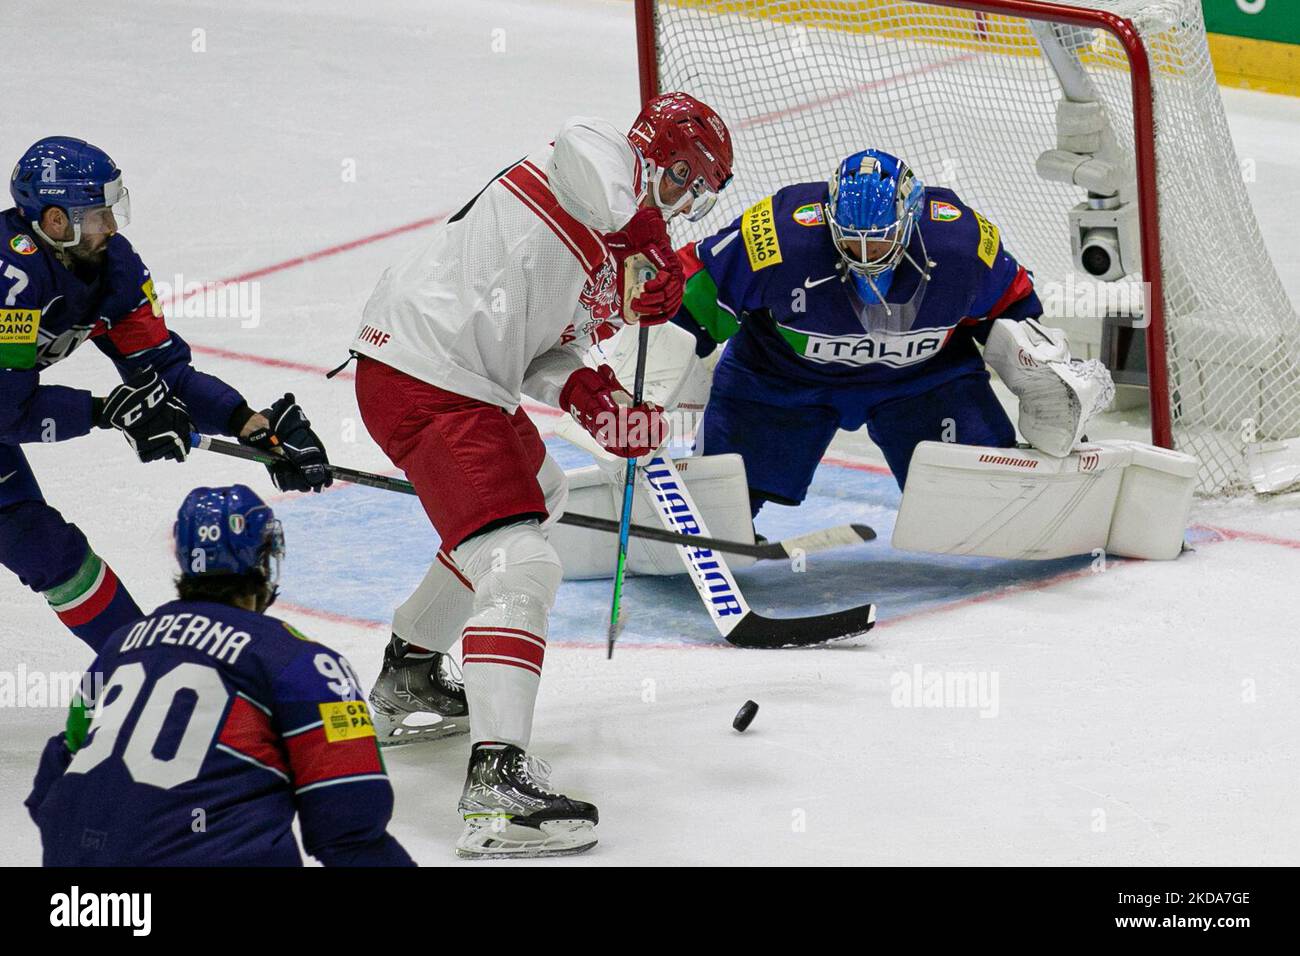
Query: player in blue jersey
(861,302)
(215,724)
(67,276)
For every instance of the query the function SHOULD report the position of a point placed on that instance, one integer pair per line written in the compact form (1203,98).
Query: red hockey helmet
(677,128)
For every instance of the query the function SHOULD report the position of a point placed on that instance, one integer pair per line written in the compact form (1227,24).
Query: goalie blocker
(1121,497)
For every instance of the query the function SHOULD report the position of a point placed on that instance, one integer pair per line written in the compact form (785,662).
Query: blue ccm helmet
(75,176)
(874,197)
(221,531)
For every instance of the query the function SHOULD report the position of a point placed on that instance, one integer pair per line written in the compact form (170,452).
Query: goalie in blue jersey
(863,301)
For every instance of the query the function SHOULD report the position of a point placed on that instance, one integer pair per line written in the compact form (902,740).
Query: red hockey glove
(659,299)
(603,407)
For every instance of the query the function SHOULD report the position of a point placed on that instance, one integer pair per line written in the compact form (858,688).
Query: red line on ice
(1233,534)
(997,595)
(856,465)
(273,362)
(1225,534)
(314,256)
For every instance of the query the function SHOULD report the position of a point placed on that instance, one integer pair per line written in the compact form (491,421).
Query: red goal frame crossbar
(1144,138)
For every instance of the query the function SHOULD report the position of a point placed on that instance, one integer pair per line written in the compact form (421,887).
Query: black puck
(745,716)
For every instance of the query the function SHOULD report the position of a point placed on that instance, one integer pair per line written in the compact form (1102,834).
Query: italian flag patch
(85,594)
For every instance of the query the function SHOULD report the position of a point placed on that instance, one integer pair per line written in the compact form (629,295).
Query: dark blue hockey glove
(303,465)
(155,422)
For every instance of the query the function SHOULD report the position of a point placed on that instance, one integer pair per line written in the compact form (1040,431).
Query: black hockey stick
(757,631)
(810,543)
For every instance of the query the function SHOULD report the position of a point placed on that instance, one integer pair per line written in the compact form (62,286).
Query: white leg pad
(717,485)
(1119,497)
(515,573)
(1154,504)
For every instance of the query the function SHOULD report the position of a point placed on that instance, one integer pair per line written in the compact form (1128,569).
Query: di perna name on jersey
(777,265)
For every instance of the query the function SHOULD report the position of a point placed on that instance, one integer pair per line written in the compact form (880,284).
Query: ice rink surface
(1146,713)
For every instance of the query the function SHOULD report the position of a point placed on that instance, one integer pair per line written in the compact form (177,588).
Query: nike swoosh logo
(7,477)
(808,284)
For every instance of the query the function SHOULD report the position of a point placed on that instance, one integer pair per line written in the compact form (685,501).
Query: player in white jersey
(503,301)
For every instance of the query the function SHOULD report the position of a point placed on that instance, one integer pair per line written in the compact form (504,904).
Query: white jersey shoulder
(588,170)
(503,300)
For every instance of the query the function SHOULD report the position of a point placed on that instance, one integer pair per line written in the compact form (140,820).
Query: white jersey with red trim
(508,294)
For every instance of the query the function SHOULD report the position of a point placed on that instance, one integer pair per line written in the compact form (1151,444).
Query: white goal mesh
(970,101)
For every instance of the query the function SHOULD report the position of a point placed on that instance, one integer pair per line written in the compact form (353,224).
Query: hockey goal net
(1031,111)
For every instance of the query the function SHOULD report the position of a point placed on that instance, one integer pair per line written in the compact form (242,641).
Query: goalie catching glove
(601,405)
(1058,395)
(659,299)
(155,422)
(302,464)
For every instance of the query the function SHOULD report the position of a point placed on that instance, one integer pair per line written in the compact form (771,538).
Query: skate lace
(449,675)
(536,771)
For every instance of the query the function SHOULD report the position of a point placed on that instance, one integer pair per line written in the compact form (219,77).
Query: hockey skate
(509,812)
(418,697)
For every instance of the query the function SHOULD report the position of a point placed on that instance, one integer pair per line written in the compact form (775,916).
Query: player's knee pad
(435,612)
(513,569)
(39,546)
(555,487)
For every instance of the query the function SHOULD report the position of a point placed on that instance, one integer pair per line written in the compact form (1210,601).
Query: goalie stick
(810,543)
(735,619)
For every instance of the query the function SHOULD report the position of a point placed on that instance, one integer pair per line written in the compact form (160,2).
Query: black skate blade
(757,631)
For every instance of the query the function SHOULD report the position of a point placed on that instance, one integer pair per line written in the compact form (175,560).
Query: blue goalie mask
(875,201)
